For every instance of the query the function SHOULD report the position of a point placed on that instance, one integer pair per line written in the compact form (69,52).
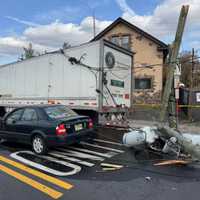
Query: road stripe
(73,154)
(43,188)
(108,142)
(43,167)
(80,154)
(102,147)
(76,168)
(36,173)
(106,155)
(62,155)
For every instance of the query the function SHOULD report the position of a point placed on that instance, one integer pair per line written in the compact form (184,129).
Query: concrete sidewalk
(184,127)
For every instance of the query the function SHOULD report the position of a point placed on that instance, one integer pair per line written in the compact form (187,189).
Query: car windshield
(57,112)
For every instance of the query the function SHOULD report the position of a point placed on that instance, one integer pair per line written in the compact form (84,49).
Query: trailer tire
(39,145)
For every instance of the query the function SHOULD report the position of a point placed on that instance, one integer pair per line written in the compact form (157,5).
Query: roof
(60,51)
(34,57)
(131,26)
(41,105)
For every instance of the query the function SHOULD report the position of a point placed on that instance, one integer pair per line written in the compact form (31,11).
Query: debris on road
(138,137)
(172,147)
(187,143)
(173,162)
(110,167)
(148,178)
(164,140)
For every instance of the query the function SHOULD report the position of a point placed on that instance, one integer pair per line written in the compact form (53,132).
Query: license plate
(78,127)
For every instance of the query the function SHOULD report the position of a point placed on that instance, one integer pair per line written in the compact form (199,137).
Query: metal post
(191,87)
(94,24)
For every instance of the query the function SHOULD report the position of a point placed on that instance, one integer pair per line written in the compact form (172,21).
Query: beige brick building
(150,54)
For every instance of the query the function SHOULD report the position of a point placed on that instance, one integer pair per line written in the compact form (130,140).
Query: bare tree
(28,51)
(190,67)
(66,45)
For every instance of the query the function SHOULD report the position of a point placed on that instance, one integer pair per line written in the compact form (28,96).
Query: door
(27,124)
(118,76)
(8,130)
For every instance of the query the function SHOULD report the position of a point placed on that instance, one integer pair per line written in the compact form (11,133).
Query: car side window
(15,116)
(29,115)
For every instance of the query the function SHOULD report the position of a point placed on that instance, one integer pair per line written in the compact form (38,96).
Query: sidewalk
(184,127)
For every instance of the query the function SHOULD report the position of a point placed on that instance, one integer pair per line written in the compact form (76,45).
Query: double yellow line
(35,184)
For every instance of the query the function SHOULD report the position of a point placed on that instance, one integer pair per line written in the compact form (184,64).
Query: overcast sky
(49,23)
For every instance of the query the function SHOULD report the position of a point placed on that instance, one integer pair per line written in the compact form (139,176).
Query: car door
(8,127)
(27,124)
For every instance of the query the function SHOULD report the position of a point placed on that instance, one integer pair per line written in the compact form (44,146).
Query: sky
(47,24)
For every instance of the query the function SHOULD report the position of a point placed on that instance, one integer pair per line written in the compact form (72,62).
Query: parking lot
(75,172)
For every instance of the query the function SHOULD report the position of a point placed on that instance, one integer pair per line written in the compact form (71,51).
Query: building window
(143,83)
(123,41)
(29,115)
(115,40)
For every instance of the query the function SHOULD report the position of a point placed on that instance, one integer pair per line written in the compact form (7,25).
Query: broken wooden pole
(172,162)
(185,143)
(172,61)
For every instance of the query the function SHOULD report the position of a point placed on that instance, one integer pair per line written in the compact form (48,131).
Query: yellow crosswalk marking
(47,190)
(37,173)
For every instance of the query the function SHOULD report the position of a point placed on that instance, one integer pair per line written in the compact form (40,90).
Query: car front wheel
(38,145)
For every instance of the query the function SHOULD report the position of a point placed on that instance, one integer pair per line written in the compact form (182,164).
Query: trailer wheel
(38,144)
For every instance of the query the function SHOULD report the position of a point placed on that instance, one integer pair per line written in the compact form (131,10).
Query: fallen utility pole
(186,144)
(172,62)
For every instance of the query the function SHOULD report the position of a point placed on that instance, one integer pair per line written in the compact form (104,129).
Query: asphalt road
(84,178)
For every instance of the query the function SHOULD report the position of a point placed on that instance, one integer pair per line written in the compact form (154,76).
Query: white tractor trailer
(94,79)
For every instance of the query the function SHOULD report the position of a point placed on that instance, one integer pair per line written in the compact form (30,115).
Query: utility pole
(172,61)
(94,24)
(191,86)
(91,9)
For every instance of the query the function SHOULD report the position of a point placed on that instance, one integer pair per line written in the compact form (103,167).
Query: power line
(177,62)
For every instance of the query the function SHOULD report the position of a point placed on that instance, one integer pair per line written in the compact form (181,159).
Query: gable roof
(131,26)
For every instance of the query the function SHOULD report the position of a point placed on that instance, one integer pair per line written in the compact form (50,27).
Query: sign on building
(198,97)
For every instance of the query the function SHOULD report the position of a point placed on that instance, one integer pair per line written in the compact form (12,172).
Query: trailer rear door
(117,68)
